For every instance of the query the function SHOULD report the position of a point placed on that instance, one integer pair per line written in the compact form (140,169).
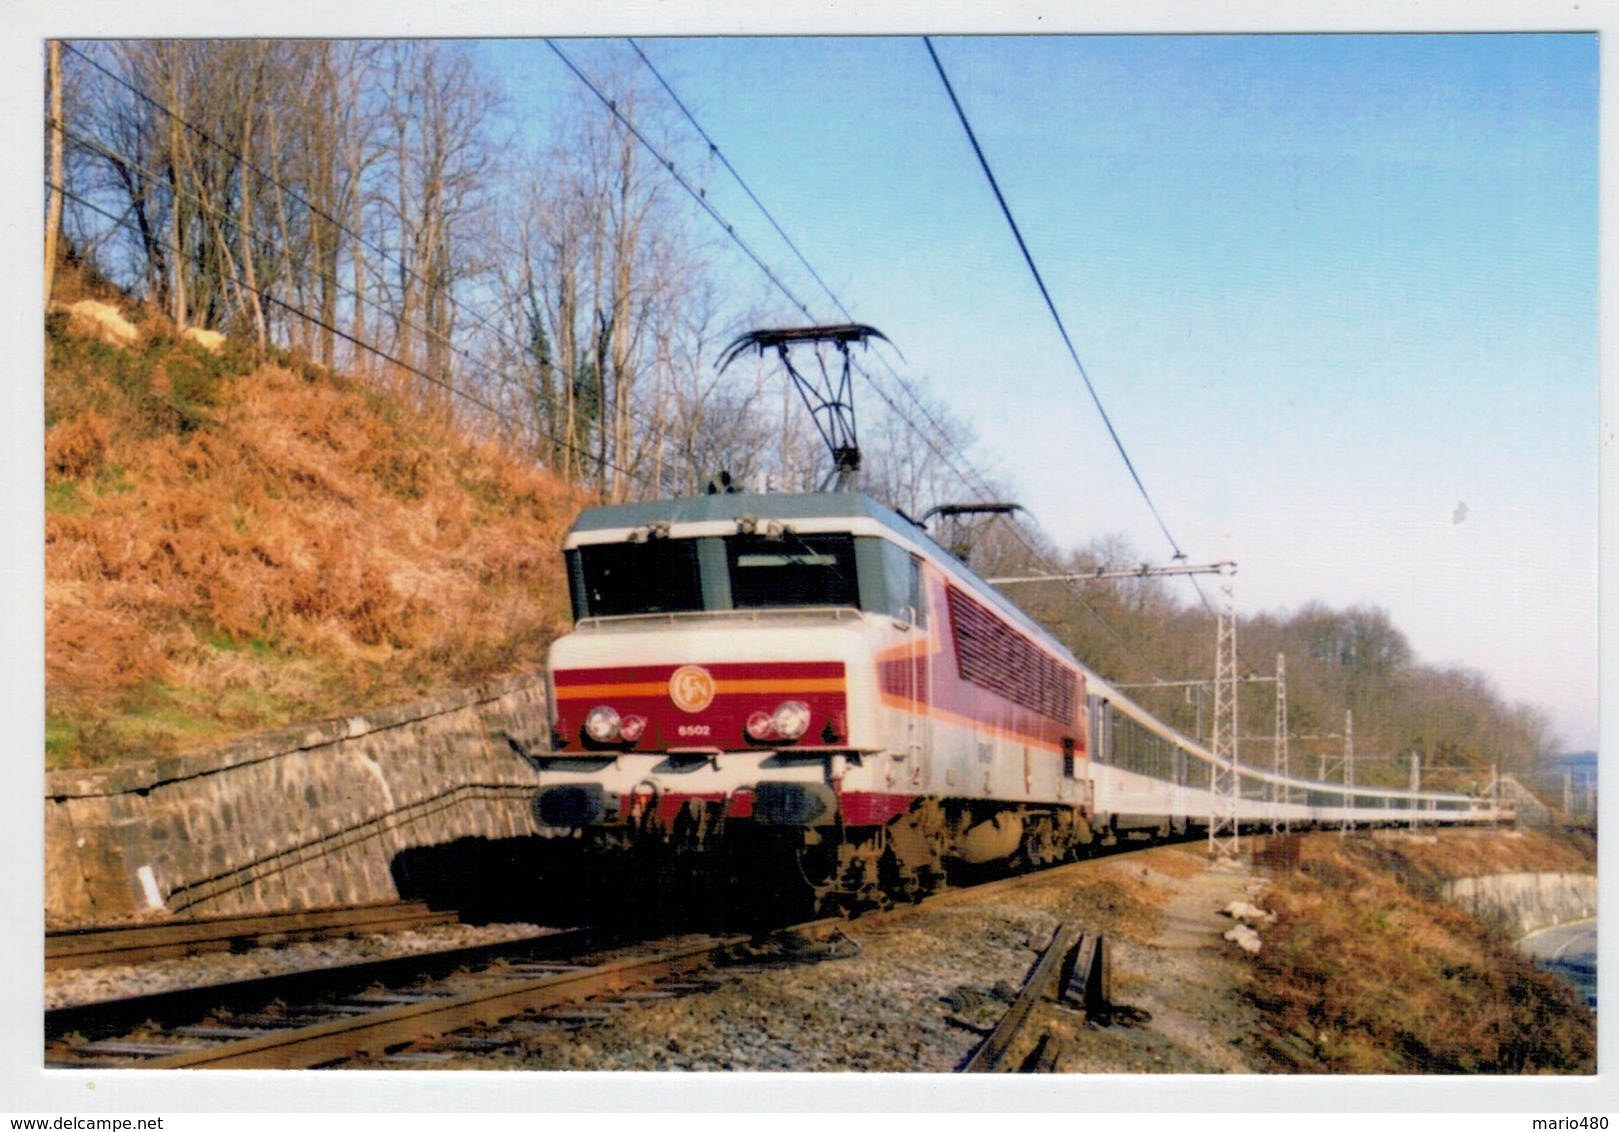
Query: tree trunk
(177,273)
(244,226)
(53,218)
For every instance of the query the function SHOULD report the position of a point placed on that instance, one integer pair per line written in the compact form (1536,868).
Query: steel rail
(110,1017)
(371,1034)
(344,1038)
(133,943)
(988,1055)
(204,1014)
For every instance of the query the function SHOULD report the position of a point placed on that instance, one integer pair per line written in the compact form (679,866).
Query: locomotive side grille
(992,655)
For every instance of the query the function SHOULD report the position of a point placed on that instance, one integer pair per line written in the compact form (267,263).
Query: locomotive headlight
(631,727)
(760,727)
(791,720)
(602,725)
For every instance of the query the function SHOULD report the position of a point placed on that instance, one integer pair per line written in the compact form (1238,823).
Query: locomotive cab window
(745,571)
(890,581)
(614,579)
(796,570)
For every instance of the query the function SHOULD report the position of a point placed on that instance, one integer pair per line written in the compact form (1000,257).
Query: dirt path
(1182,994)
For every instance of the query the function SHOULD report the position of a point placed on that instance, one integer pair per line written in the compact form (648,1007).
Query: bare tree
(436,158)
(918,448)
(711,421)
(320,122)
(171,128)
(612,302)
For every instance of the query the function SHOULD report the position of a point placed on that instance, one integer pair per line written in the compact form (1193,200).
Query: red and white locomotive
(809,669)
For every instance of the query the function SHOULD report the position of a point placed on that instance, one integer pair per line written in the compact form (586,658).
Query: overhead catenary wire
(968,477)
(731,169)
(1051,306)
(701,198)
(971,477)
(703,202)
(1062,329)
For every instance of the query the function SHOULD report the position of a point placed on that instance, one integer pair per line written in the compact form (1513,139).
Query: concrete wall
(1525,902)
(299,818)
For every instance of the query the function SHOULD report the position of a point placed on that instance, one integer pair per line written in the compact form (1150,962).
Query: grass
(1452,998)
(233,546)
(63,498)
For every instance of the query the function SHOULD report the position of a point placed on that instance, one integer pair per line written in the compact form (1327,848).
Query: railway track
(391,1011)
(417,1010)
(421,1010)
(139,943)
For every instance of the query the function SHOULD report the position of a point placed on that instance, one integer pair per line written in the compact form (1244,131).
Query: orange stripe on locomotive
(718,719)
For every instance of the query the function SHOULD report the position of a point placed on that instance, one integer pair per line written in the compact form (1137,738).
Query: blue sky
(1336,292)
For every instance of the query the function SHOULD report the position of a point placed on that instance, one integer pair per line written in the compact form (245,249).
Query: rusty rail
(136,943)
(224,1043)
(988,1055)
(110,1017)
(1075,961)
(345,1038)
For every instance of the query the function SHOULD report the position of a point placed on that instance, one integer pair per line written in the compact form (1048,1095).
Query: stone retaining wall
(1525,902)
(298,818)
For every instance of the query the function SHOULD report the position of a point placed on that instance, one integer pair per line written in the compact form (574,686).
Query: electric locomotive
(811,675)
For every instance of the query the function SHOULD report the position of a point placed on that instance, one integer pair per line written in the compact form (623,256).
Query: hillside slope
(232,546)
(1368,970)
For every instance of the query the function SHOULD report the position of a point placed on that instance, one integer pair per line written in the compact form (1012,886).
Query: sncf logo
(691,688)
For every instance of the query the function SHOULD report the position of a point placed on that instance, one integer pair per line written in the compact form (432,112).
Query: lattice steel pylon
(1225,784)
(1279,757)
(1349,772)
(1416,786)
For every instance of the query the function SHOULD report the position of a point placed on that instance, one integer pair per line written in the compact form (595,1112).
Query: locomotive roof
(729,507)
(826,505)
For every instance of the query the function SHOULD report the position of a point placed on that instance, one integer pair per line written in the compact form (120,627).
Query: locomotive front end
(721,694)
(654,746)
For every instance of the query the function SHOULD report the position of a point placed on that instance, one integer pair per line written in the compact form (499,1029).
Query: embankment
(297,818)
(1392,953)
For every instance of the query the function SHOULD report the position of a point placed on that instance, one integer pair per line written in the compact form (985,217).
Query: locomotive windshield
(741,571)
(640,577)
(793,571)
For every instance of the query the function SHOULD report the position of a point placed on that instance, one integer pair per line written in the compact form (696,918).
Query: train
(810,686)
(808,692)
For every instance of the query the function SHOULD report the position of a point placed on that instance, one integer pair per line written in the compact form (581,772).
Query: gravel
(919,991)
(78,985)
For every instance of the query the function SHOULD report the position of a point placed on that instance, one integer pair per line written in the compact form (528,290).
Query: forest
(554,283)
